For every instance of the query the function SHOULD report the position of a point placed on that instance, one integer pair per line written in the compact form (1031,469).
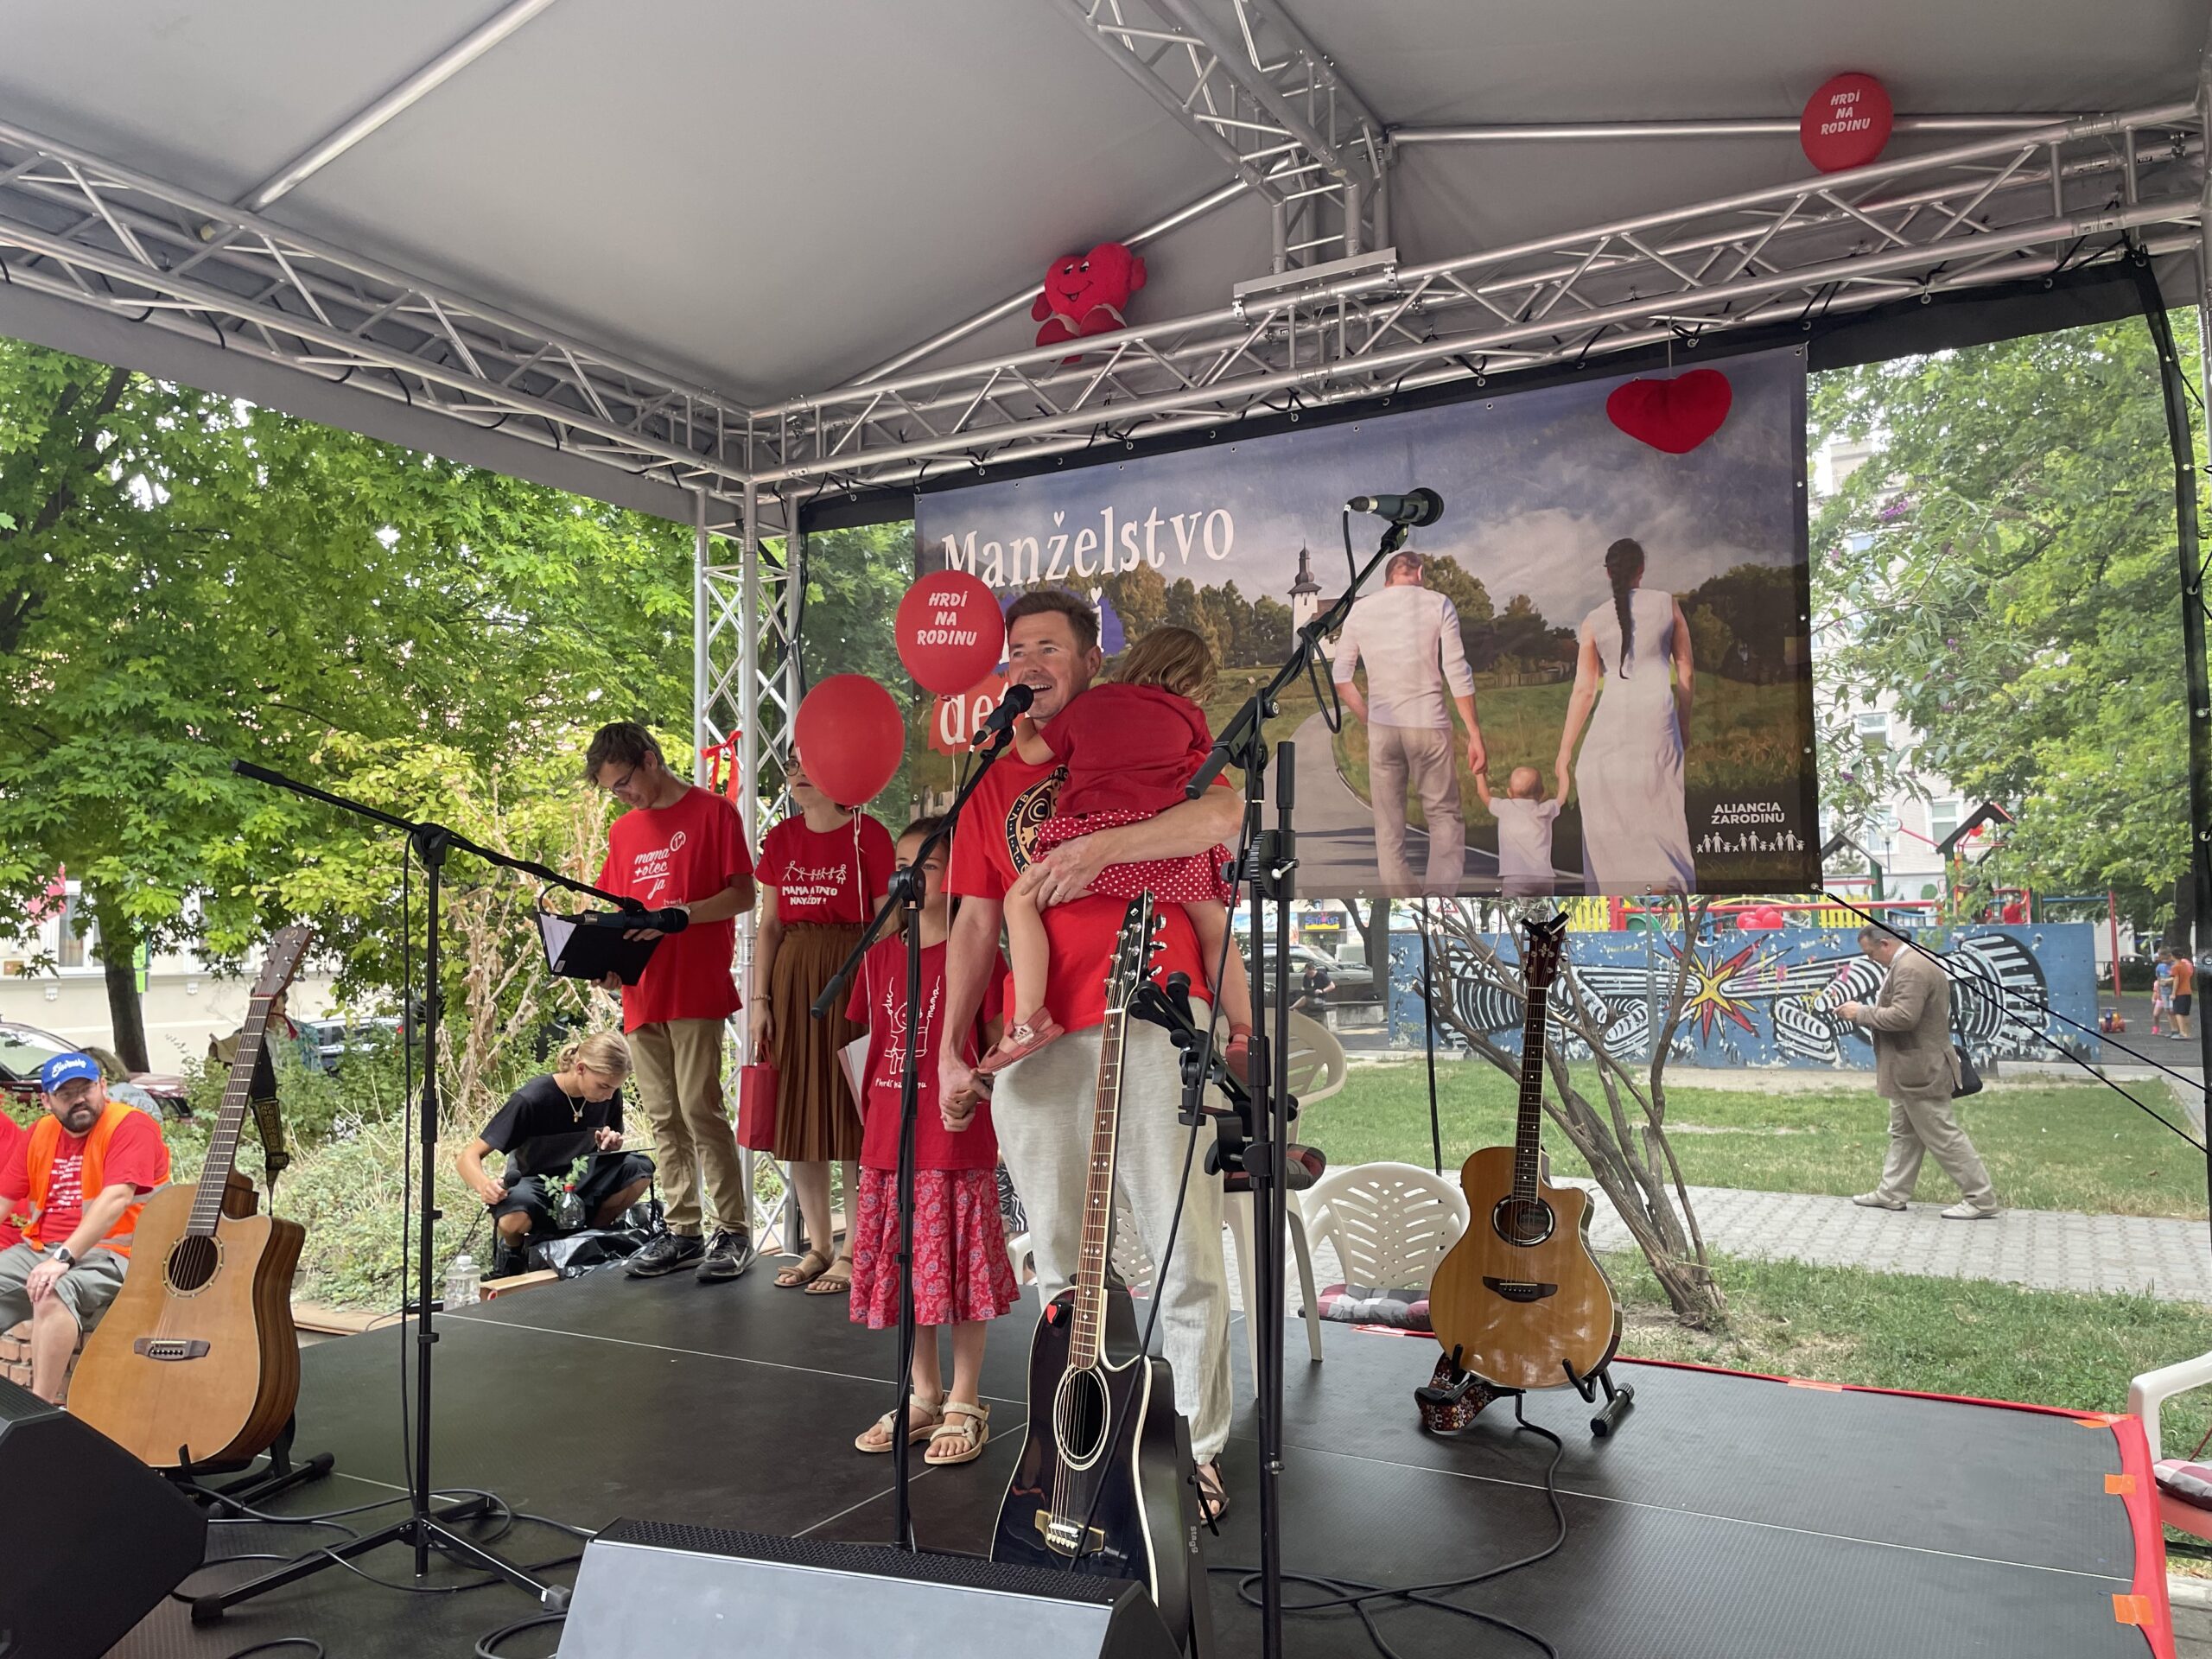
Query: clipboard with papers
(590,947)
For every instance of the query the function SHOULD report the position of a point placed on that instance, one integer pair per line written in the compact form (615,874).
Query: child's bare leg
(1234,993)
(1028,951)
(968,1361)
(929,1387)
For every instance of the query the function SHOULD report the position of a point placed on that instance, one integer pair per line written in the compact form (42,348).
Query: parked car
(1353,982)
(23,1049)
(325,1043)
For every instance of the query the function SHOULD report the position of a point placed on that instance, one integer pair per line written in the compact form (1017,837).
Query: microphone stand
(1268,871)
(905,898)
(423,1528)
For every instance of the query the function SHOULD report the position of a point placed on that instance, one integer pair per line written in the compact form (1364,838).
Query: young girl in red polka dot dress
(961,1275)
(1130,745)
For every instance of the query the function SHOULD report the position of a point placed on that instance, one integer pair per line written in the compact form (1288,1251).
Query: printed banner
(1591,676)
(1770,998)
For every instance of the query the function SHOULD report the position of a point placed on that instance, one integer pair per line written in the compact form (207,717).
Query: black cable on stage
(488,1647)
(1356,1594)
(1998,999)
(272,1645)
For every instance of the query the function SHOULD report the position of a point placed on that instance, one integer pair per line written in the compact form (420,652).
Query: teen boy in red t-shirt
(680,848)
(1041,1105)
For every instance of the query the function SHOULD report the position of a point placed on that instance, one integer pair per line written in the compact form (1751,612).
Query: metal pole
(410,92)
(2192,611)
(1758,127)
(702,609)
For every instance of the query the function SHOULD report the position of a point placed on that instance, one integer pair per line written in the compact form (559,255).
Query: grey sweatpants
(1041,1111)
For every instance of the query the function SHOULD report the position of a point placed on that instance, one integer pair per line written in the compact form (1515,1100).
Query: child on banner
(1130,745)
(1525,817)
(961,1275)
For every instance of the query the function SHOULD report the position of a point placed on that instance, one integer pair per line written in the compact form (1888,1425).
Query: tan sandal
(830,1282)
(1213,1497)
(803,1272)
(922,1423)
(961,1435)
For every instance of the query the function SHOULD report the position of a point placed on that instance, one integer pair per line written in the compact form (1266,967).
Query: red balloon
(1846,123)
(850,737)
(950,631)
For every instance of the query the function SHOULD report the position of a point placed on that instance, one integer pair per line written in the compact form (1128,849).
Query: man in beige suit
(1914,1071)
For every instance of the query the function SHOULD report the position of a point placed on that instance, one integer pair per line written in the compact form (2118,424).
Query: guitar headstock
(1543,945)
(1142,939)
(282,959)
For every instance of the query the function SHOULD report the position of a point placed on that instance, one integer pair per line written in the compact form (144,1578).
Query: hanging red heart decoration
(1676,416)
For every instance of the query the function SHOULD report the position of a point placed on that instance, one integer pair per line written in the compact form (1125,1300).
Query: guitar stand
(251,1492)
(1454,1398)
(1620,1400)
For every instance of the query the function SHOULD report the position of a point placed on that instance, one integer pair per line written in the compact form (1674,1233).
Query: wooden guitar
(197,1361)
(1519,1300)
(1101,1485)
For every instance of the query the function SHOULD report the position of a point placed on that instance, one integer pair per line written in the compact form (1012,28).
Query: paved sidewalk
(2047,1250)
(2044,1250)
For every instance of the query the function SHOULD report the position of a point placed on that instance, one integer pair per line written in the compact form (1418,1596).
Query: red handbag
(756,1106)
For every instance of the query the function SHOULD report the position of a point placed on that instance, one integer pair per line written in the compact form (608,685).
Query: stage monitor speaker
(96,1539)
(647,1588)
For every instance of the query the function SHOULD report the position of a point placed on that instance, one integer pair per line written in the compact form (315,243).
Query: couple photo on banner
(1591,674)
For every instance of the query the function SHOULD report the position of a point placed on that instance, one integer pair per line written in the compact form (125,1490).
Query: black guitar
(1102,1483)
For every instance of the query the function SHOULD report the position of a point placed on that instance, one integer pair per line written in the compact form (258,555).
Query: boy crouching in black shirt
(546,1126)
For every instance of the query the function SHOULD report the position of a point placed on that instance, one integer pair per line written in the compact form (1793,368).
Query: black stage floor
(1733,1517)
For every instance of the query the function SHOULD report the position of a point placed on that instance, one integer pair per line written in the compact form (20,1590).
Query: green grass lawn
(2048,1146)
(1943,1335)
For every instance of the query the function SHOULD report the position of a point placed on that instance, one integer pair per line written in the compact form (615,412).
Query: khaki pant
(1925,1123)
(1425,756)
(679,1071)
(1041,1110)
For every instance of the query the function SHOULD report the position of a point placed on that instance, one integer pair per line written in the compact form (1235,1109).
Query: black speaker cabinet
(648,1589)
(98,1538)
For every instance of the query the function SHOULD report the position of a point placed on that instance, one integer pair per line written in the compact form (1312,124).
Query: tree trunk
(125,1011)
(1375,933)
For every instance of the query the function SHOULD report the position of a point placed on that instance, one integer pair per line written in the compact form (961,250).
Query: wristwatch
(60,1253)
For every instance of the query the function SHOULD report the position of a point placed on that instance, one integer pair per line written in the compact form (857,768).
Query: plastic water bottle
(462,1286)
(568,1212)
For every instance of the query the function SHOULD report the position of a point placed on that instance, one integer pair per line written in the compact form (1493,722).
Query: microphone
(1015,701)
(1422,507)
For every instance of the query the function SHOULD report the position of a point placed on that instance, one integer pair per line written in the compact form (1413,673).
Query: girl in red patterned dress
(1130,745)
(961,1275)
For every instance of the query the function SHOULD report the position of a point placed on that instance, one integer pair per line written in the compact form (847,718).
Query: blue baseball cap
(63,1068)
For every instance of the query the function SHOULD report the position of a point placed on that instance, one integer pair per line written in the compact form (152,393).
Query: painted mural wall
(1769,999)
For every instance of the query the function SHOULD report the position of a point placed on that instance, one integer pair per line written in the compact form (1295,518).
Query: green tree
(2003,564)
(1710,640)
(1271,631)
(1140,598)
(186,581)
(1187,609)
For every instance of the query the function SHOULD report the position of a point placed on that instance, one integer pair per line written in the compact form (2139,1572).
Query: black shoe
(666,1254)
(508,1260)
(727,1256)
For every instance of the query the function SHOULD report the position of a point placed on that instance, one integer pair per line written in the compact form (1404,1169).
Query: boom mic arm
(1419,508)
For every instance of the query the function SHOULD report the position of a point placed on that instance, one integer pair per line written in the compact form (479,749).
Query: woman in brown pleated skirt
(822,871)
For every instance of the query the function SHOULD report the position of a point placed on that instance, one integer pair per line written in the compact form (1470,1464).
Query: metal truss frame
(1269,104)
(1990,210)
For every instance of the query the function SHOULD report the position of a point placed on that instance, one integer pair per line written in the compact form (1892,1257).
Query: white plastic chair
(1128,1258)
(1317,1060)
(2146,1394)
(1388,1224)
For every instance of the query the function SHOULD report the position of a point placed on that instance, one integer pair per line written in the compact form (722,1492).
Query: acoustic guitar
(1519,1300)
(1100,1486)
(197,1362)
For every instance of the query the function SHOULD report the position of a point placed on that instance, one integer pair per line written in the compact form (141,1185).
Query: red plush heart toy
(1084,293)
(1676,416)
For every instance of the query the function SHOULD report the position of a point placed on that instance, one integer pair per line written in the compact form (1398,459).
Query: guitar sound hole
(1079,1417)
(1524,1221)
(192,1263)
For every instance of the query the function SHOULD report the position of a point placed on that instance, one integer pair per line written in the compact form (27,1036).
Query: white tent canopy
(643,251)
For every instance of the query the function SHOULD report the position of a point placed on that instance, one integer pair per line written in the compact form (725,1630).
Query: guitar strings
(1174,1226)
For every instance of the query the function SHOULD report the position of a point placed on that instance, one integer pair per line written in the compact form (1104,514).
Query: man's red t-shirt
(812,871)
(996,840)
(134,1154)
(2184,976)
(679,854)
(879,1002)
(12,1137)
(1129,748)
